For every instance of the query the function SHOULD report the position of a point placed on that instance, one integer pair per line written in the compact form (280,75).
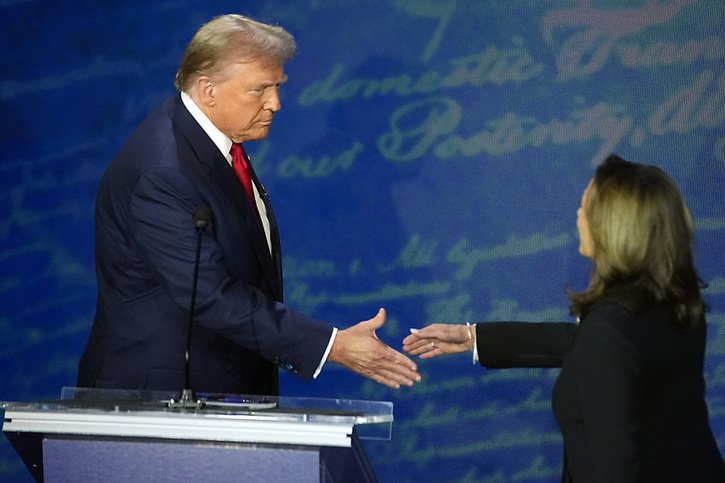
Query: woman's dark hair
(642,234)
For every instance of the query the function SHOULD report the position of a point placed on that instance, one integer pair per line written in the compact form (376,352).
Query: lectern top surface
(161,403)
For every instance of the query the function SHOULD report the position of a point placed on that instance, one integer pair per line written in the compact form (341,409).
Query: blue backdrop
(429,158)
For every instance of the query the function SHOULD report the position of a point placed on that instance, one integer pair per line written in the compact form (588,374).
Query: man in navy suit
(181,158)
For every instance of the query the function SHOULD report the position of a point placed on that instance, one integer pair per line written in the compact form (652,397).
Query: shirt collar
(218,138)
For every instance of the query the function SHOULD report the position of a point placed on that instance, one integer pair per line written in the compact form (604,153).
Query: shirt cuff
(327,353)
(475,349)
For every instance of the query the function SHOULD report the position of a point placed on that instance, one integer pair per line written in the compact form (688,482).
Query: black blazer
(145,250)
(630,397)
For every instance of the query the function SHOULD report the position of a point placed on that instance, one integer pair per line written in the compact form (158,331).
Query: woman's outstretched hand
(440,339)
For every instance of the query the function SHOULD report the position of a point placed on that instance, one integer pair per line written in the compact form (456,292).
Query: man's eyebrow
(269,83)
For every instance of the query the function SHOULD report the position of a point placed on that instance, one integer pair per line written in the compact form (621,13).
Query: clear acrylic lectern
(109,436)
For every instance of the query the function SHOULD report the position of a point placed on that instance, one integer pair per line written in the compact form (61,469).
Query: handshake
(359,349)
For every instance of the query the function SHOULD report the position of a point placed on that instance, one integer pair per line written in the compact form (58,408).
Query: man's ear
(205,91)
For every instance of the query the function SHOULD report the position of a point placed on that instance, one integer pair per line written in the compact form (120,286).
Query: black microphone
(201,217)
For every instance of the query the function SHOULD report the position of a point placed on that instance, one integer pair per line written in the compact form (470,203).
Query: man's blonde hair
(232,38)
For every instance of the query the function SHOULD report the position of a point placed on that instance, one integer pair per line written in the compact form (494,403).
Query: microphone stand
(187,397)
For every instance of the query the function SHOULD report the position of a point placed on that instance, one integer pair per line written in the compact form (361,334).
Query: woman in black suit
(630,397)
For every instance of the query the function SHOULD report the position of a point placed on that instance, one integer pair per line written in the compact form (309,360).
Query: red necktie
(241,168)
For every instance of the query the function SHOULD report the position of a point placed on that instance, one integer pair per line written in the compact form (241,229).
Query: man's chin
(255,135)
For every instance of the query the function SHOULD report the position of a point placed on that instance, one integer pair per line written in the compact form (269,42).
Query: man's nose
(273,102)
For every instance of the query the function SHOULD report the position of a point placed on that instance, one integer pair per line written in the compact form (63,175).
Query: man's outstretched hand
(359,349)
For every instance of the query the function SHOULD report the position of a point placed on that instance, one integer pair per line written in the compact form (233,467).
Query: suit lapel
(273,230)
(209,163)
